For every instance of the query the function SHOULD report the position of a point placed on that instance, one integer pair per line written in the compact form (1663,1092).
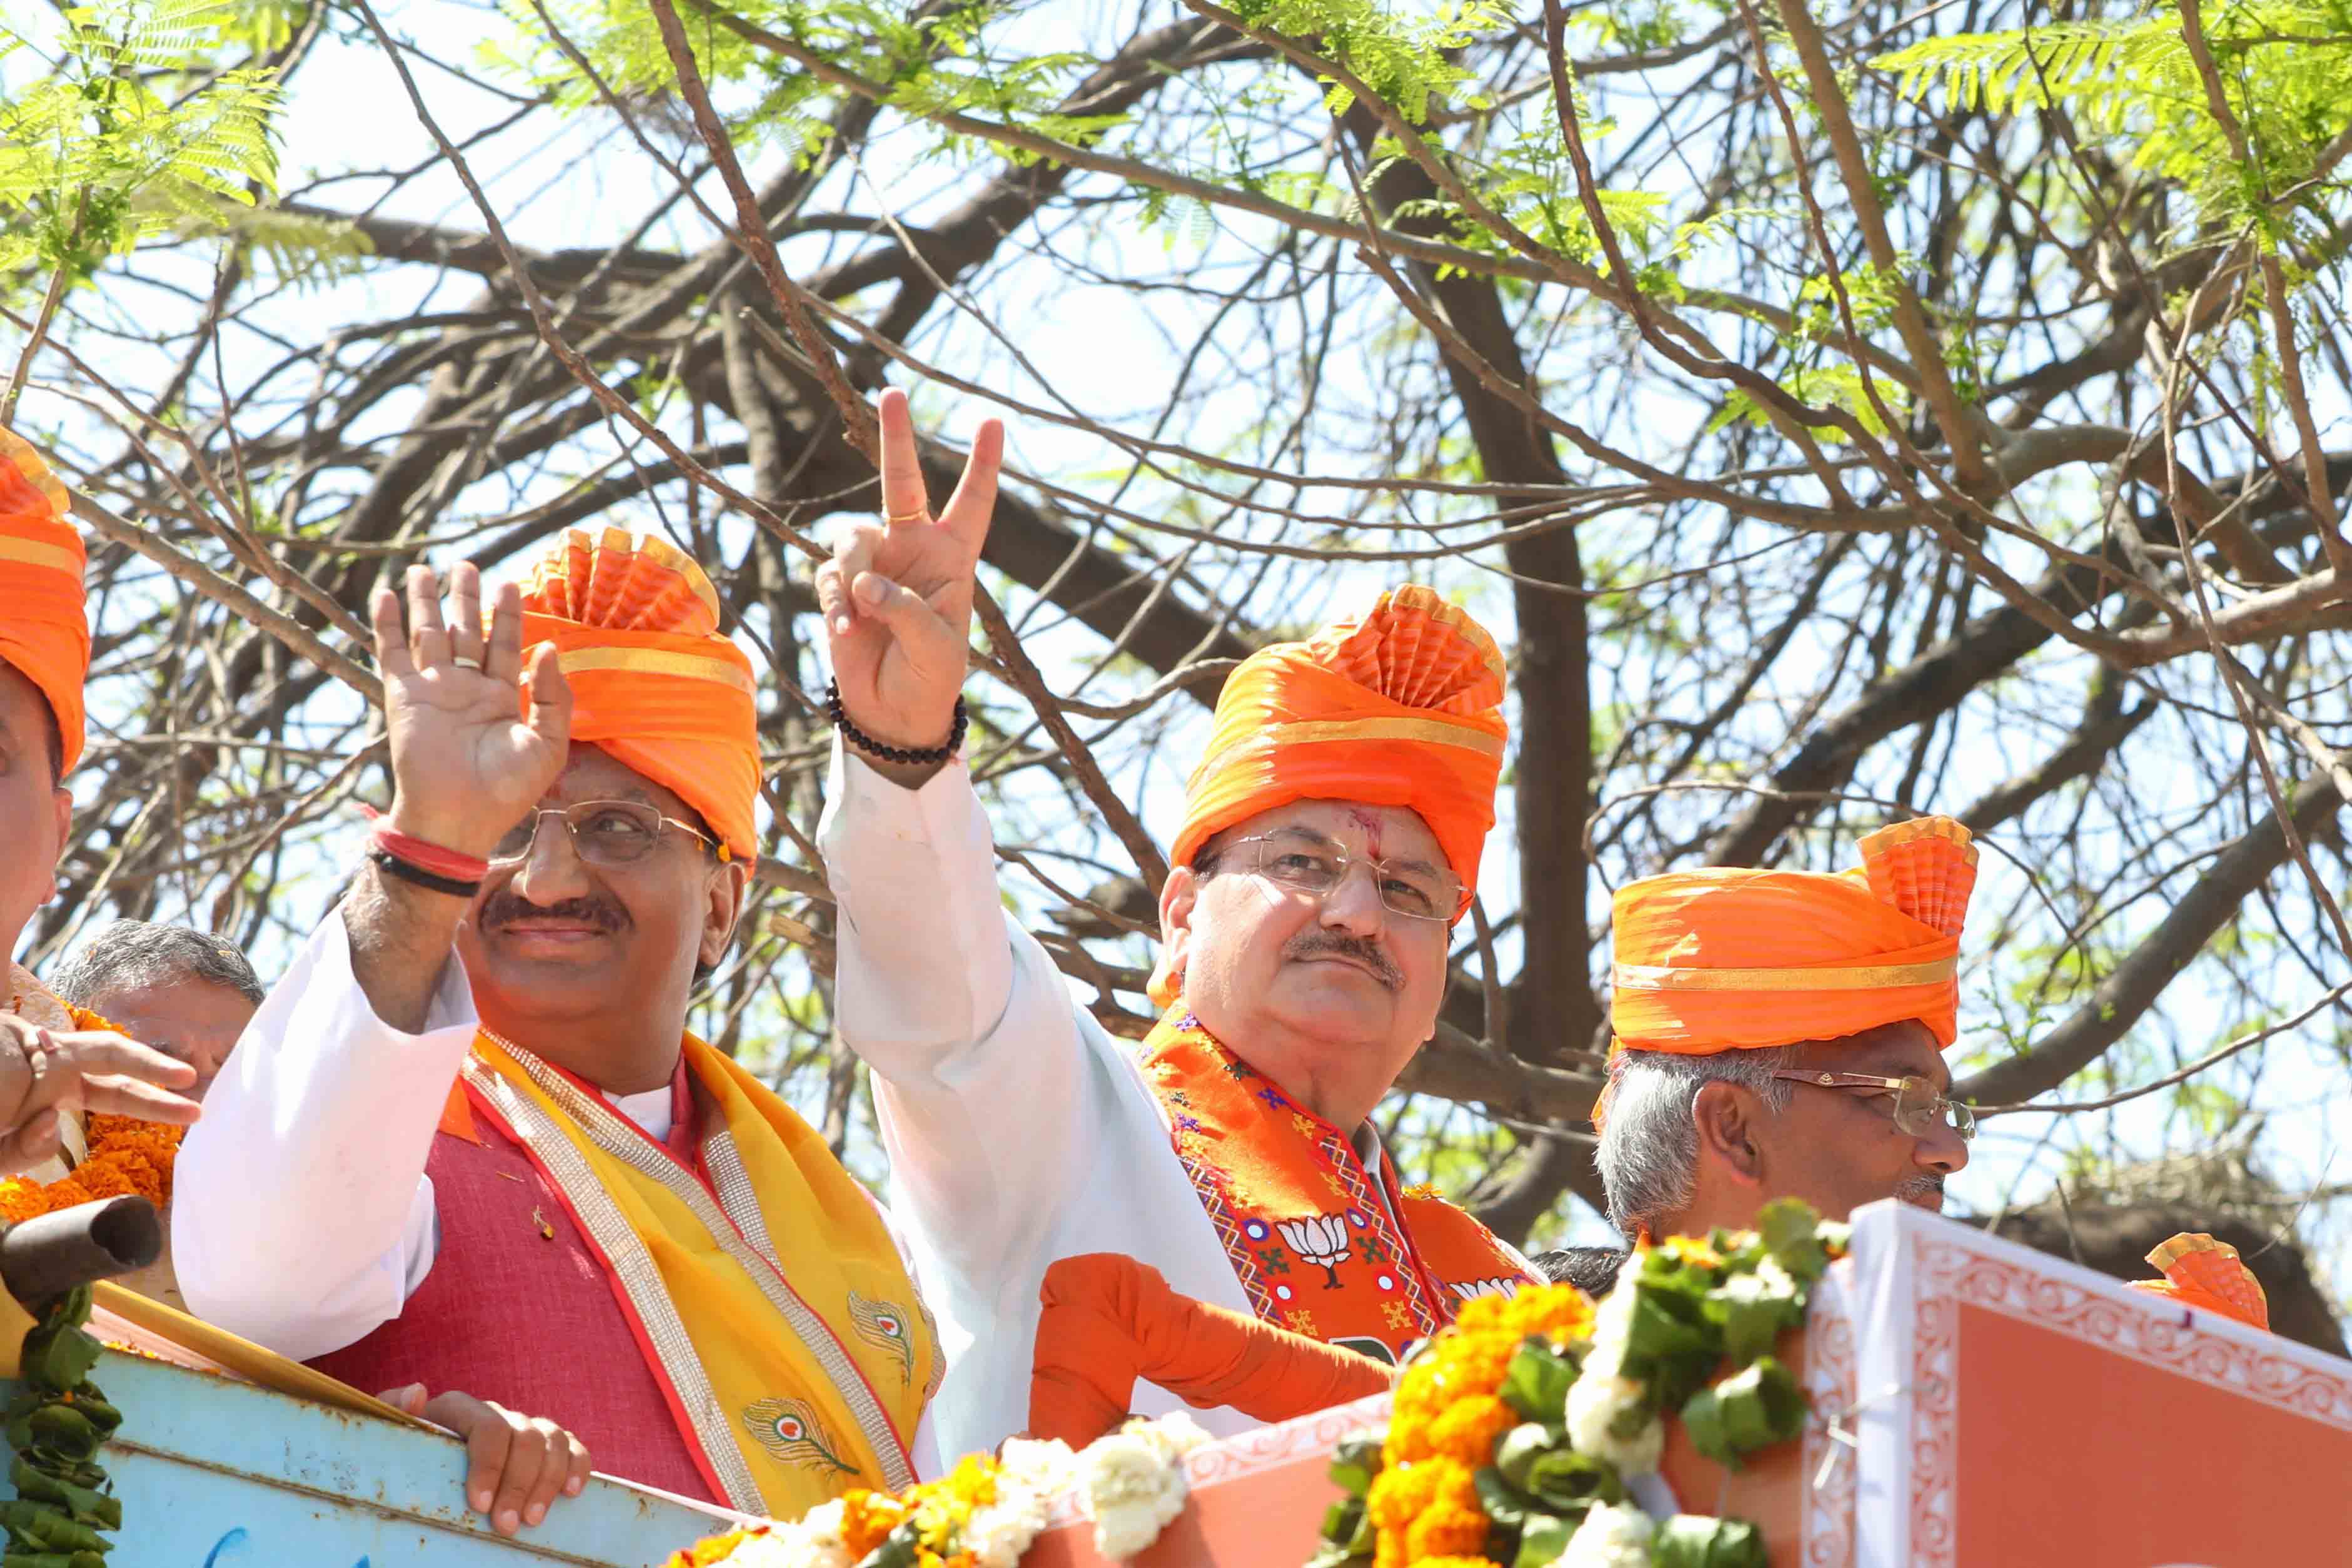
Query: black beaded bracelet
(393,865)
(900,753)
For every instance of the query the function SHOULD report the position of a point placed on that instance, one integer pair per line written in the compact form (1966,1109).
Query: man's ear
(61,801)
(729,885)
(1726,1116)
(1180,895)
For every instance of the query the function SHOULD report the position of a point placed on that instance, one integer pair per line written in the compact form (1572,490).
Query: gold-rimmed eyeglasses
(1310,863)
(605,833)
(1919,1107)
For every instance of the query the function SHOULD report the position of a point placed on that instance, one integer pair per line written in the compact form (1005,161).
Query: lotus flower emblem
(1319,1238)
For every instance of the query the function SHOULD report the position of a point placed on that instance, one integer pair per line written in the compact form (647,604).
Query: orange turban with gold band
(44,628)
(2199,1272)
(635,625)
(1734,959)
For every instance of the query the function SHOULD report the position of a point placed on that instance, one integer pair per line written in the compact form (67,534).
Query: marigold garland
(985,1512)
(1511,1433)
(127,1158)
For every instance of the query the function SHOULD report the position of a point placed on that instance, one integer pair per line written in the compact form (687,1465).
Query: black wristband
(901,754)
(393,865)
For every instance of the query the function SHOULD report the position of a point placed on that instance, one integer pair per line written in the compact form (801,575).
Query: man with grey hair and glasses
(186,992)
(1781,1034)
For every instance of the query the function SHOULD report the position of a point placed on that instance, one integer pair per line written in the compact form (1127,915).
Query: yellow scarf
(1322,1245)
(769,1297)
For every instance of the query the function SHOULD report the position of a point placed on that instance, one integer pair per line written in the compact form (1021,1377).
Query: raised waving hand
(469,756)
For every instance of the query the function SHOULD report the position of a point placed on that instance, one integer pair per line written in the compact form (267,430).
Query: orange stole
(1303,1223)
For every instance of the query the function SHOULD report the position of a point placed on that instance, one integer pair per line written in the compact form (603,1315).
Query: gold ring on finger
(921,514)
(464,662)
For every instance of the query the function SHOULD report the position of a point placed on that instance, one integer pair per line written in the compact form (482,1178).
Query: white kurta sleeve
(961,1016)
(301,1216)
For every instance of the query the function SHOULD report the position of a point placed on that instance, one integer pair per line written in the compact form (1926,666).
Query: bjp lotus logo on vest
(1321,1239)
(789,1429)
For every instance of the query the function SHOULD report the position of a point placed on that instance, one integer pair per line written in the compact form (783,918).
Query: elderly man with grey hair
(186,992)
(1781,1034)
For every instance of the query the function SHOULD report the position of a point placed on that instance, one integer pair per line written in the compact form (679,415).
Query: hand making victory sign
(897,596)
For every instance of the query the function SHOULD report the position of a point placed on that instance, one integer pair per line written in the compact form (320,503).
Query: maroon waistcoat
(520,1310)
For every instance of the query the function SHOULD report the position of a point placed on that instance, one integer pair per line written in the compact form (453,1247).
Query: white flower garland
(1130,1482)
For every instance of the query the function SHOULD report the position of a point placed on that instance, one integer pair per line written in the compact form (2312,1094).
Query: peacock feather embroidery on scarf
(938,1360)
(789,1429)
(883,1325)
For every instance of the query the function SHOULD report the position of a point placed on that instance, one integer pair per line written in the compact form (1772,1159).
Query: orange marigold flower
(1446,1530)
(1457,1562)
(67,1194)
(126,1158)
(1693,1250)
(110,1177)
(1413,1489)
(21,1200)
(866,1519)
(1482,1315)
(714,1549)
(1468,1430)
(1559,1311)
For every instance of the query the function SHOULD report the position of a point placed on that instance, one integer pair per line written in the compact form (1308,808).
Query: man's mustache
(506,905)
(1339,945)
(1920,1190)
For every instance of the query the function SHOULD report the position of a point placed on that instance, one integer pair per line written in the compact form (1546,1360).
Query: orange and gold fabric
(2199,1272)
(1736,959)
(1321,1245)
(44,627)
(766,1293)
(635,625)
(1108,1320)
(1402,708)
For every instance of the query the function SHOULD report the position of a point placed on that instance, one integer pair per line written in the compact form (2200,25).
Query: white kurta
(301,1216)
(1019,1130)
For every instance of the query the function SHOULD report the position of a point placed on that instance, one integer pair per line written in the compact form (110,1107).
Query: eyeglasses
(605,833)
(1919,1107)
(1310,864)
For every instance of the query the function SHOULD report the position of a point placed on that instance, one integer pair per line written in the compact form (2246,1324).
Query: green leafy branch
(2285,67)
(94,157)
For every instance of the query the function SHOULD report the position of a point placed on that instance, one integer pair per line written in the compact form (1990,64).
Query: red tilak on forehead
(1371,826)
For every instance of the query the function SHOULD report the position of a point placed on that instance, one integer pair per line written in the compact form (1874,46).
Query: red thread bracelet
(423,854)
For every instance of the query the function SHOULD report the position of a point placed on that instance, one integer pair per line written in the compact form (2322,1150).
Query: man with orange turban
(488,1152)
(55,1060)
(1330,840)
(1779,1034)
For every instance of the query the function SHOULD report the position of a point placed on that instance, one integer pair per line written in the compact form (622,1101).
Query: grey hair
(140,953)
(1649,1143)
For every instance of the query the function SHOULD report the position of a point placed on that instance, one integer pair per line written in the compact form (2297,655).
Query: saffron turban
(1400,709)
(44,629)
(1735,960)
(2199,1272)
(1108,1320)
(636,627)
